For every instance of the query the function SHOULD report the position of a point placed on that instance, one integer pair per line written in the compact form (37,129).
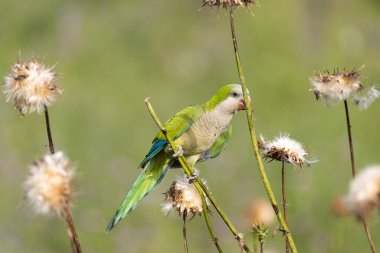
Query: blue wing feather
(157,146)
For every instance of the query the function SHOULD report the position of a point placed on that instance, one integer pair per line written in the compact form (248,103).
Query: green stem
(255,242)
(198,183)
(284,203)
(207,219)
(260,164)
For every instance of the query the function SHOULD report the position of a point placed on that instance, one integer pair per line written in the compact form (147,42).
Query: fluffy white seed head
(30,86)
(227,3)
(48,186)
(284,149)
(363,102)
(364,192)
(183,197)
(260,212)
(336,86)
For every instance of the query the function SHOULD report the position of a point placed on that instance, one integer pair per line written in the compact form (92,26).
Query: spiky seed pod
(364,192)
(364,101)
(183,197)
(30,86)
(260,212)
(228,3)
(284,149)
(49,185)
(336,86)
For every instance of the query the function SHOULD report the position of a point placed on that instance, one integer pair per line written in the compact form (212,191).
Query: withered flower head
(228,3)
(183,197)
(336,86)
(364,101)
(284,149)
(30,86)
(260,212)
(364,192)
(48,186)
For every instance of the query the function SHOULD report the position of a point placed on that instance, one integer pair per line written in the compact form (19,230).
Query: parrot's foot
(179,152)
(193,176)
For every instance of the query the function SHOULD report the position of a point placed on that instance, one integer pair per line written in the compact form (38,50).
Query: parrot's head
(229,98)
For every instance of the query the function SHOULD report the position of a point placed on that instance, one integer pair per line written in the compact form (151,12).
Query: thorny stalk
(198,183)
(260,164)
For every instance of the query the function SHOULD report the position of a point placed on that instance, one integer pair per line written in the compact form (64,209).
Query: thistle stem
(368,233)
(260,164)
(350,138)
(284,203)
(207,219)
(365,225)
(255,241)
(67,215)
(184,232)
(75,245)
(198,183)
(48,130)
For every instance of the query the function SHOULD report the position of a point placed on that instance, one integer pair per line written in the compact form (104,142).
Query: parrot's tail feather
(152,175)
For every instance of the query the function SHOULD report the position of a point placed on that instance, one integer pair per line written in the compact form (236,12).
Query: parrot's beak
(242,106)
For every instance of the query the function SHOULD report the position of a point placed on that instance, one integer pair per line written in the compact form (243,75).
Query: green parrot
(199,131)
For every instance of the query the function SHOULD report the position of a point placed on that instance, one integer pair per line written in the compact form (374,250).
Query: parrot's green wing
(175,127)
(218,147)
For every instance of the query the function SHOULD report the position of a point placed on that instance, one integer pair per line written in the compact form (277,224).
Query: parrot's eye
(234,94)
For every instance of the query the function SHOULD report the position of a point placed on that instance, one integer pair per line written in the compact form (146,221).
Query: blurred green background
(110,55)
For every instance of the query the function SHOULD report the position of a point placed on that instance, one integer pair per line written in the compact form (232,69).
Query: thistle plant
(284,150)
(184,198)
(338,86)
(49,189)
(31,87)
(231,5)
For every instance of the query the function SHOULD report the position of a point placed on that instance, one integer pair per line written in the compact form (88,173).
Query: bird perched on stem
(200,132)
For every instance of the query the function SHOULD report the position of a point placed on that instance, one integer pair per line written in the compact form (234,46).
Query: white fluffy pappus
(364,192)
(30,86)
(48,186)
(183,197)
(363,102)
(336,86)
(284,149)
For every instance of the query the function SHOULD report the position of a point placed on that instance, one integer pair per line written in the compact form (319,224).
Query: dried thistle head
(336,86)
(284,149)
(260,212)
(364,101)
(183,197)
(30,86)
(364,192)
(228,3)
(49,185)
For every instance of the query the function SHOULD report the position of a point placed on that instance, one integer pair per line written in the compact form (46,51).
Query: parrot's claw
(193,176)
(179,152)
